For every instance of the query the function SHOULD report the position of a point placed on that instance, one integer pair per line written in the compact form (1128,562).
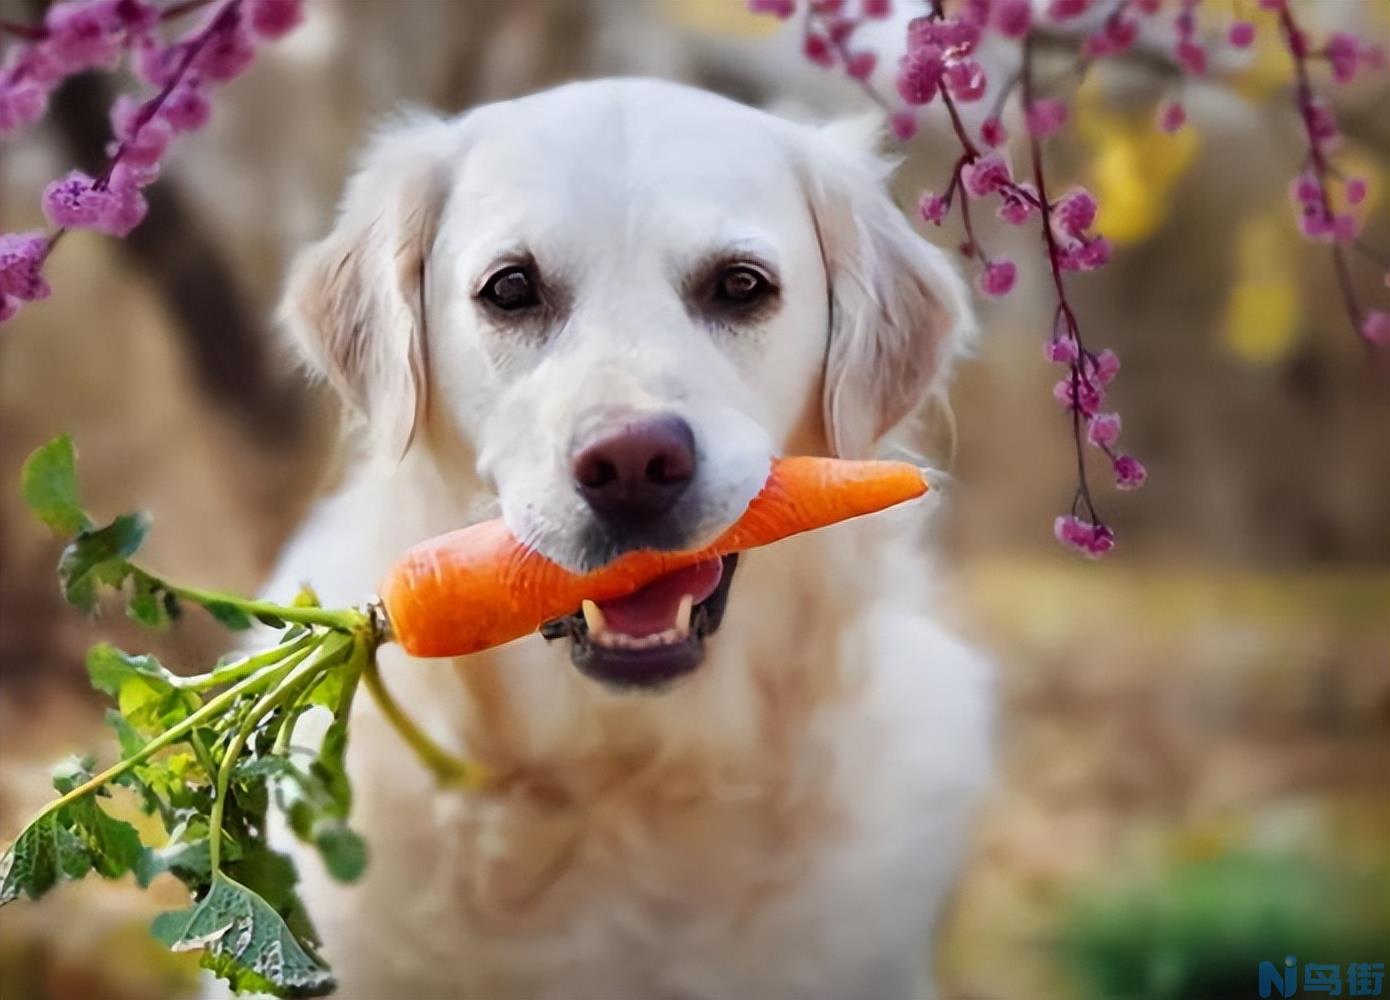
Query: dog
(598,311)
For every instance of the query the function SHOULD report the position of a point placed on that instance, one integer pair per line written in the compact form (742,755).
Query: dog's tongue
(653,608)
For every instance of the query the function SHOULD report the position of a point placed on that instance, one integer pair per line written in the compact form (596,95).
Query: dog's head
(616,301)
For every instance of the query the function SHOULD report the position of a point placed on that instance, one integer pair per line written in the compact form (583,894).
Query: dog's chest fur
(782,824)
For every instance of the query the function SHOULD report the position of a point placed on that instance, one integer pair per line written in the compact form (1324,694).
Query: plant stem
(234,672)
(211,709)
(448,769)
(345,620)
(284,684)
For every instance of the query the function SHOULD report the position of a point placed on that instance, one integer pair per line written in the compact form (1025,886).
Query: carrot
(478,587)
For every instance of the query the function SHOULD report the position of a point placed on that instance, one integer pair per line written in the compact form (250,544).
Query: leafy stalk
(209,754)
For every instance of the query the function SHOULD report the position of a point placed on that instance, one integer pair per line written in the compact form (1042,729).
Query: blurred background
(1195,743)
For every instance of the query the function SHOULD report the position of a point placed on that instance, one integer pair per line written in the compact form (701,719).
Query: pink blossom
(144,147)
(992,132)
(81,35)
(998,277)
(966,78)
(128,206)
(1086,255)
(1103,366)
(1014,207)
(778,8)
(877,9)
(861,65)
(932,207)
(1129,472)
(1241,34)
(816,47)
(158,64)
(1012,18)
(1062,350)
(977,12)
(1045,117)
(1305,189)
(137,17)
(919,75)
(1075,213)
(949,33)
(1064,10)
(1192,57)
(21,266)
(1148,6)
(984,176)
(1355,190)
(186,108)
(75,203)
(1116,35)
(1342,51)
(1091,540)
(273,19)
(1375,329)
(1075,392)
(1322,123)
(21,104)
(227,54)
(1172,116)
(840,29)
(903,125)
(1103,429)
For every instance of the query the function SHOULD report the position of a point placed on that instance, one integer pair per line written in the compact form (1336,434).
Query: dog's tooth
(593,617)
(682,625)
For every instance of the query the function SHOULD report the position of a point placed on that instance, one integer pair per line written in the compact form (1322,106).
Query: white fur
(786,821)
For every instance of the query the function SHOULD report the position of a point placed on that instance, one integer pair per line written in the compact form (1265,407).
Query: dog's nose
(634,469)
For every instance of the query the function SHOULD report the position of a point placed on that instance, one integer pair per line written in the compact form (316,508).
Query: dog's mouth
(653,635)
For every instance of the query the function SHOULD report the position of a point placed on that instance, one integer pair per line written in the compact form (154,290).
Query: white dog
(600,310)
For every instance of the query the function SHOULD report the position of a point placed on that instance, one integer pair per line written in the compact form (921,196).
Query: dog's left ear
(899,312)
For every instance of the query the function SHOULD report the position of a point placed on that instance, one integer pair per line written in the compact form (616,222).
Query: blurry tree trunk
(224,339)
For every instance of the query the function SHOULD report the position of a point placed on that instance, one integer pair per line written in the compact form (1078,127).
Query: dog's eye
(511,288)
(741,285)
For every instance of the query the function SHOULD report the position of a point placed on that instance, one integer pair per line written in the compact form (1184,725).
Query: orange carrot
(478,587)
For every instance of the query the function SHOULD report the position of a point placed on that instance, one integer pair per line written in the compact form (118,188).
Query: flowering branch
(84,34)
(1311,190)
(939,63)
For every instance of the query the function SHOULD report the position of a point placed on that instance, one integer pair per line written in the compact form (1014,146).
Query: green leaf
(99,556)
(150,603)
(45,853)
(343,851)
(48,483)
(231,616)
(110,669)
(150,697)
(67,843)
(316,803)
(245,942)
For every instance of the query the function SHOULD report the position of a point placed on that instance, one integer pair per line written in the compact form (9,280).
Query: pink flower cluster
(939,66)
(80,35)
(1311,191)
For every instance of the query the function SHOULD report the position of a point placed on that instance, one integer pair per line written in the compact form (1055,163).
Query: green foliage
(48,483)
(245,941)
(207,754)
(1200,931)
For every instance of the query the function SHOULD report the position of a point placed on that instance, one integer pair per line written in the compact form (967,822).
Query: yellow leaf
(1262,307)
(721,18)
(1134,167)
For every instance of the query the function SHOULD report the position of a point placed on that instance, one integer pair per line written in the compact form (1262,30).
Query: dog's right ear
(355,300)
